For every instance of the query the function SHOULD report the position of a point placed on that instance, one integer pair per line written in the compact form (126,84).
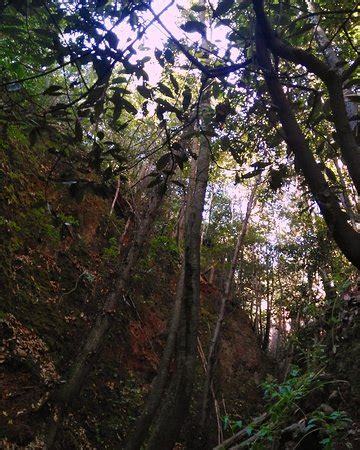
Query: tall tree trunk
(159,383)
(212,274)
(206,225)
(260,317)
(256,318)
(176,405)
(179,232)
(182,334)
(83,361)
(333,60)
(215,341)
(334,83)
(344,235)
(269,297)
(345,199)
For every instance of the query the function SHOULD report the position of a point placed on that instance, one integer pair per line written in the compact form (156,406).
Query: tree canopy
(206,142)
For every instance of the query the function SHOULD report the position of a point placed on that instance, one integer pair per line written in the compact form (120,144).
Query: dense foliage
(194,163)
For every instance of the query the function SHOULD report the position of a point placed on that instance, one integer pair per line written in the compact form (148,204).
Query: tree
(215,340)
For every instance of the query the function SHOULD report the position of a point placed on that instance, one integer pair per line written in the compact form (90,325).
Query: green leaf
(194,26)
(112,39)
(251,174)
(95,95)
(144,91)
(186,98)
(174,83)
(118,80)
(169,56)
(53,90)
(223,8)
(165,90)
(163,161)
(128,106)
(198,8)
(159,57)
(166,105)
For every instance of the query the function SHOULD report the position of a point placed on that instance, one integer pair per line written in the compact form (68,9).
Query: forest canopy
(165,165)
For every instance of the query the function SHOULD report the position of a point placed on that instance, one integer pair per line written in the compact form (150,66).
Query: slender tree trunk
(215,341)
(177,401)
(261,335)
(212,274)
(269,295)
(84,360)
(206,225)
(241,272)
(253,286)
(256,318)
(344,235)
(179,236)
(175,407)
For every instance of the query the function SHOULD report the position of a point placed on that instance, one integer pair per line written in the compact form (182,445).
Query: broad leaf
(163,161)
(223,8)
(193,26)
(165,90)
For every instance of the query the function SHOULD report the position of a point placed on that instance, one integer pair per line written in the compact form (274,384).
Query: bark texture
(344,235)
(84,360)
(176,405)
(215,341)
(333,60)
(349,149)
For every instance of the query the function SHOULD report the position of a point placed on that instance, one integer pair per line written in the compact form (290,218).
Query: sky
(156,37)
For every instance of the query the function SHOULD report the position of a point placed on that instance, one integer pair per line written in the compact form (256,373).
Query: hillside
(179,225)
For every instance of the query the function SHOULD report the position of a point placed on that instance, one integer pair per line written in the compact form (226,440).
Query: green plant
(163,245)
(331,425)
(68,220)
(112,251)
(285,400)
(231,424)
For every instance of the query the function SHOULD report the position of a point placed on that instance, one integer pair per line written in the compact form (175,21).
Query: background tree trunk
(344,235)
(333,60)
(215,341)
(84,360)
